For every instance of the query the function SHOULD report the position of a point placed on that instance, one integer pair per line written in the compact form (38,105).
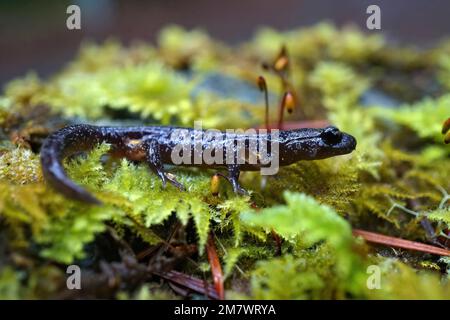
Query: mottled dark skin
(154,145)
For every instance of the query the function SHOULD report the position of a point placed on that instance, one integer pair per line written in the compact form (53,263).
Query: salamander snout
(353,142)
(349,141)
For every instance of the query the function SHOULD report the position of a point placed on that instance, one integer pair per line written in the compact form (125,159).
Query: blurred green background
(33,34)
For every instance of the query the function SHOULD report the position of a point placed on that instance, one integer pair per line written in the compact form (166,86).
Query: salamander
(156,144)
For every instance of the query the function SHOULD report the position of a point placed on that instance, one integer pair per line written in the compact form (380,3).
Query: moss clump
(397,179)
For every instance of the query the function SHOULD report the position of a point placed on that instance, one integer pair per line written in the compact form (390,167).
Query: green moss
(305,222)
(148,89)
(10,284)
(424,117)
(402,282)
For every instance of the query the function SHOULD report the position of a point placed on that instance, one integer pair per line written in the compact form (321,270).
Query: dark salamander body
(156,146)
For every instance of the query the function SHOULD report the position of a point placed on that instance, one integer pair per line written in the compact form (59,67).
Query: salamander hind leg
(153,158)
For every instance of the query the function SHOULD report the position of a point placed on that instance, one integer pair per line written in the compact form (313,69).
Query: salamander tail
(59,145)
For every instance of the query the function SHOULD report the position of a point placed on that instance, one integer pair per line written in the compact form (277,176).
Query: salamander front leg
(153,157)
(233,177)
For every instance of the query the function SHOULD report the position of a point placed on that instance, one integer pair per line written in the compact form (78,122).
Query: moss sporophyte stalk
(291,234)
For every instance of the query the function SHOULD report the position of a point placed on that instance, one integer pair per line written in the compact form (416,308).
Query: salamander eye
(331,135)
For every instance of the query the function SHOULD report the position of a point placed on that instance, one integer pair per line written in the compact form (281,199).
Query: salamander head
(313,144)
